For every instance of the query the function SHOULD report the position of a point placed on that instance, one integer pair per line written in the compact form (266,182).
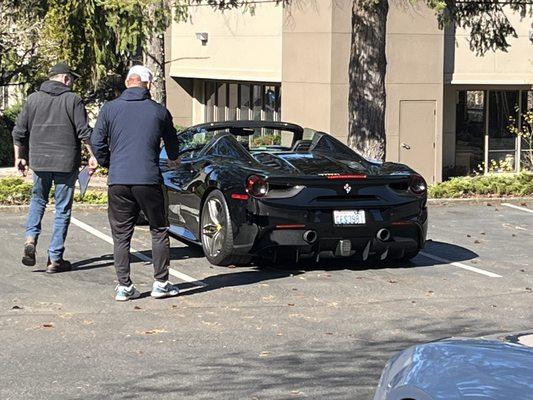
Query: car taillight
(417,184)
(256,186)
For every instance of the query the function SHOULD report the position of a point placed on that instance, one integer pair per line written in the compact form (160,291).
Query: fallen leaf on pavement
(137,308)
(16,308)
(291,304)
(49,325)
(477,242)
(468,235)
(154,331)
(392,281)
(523,204)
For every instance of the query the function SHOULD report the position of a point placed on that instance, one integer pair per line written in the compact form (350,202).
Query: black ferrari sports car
(274,190)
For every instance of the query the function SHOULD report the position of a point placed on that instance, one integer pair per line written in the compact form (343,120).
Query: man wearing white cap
(127,140)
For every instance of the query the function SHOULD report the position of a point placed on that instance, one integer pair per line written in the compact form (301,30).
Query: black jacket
(127,138)
(53,122)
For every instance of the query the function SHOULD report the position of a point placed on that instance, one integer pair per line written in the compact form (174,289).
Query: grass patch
(15,191)
(491,185)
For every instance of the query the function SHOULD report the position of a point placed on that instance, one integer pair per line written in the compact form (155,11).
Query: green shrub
(16,191)
(7,122)
(92,197)
(485,185)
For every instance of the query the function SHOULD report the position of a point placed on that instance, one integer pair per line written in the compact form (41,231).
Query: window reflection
(470,131)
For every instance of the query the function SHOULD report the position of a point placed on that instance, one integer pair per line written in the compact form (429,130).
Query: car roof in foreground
(213,126)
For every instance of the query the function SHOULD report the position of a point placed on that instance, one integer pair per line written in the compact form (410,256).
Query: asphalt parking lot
(313,331)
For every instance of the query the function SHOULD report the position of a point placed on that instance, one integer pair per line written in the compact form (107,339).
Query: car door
(184,183)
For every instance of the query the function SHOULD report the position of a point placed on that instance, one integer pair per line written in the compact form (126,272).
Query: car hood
(497,367)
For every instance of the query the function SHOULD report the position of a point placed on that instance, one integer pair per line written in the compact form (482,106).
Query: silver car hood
(493,367)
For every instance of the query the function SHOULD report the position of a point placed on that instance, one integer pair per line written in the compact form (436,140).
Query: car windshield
(191,142)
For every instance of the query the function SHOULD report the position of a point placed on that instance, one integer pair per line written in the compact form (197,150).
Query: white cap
(144,73)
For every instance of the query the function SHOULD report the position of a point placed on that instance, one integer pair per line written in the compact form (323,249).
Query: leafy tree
(20,25)
(98,38)
(101,38)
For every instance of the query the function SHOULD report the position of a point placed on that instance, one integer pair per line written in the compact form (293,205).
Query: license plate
(349,217)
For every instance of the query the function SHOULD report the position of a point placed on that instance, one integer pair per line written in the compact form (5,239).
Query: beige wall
(241,46)
(514,67)
(415,49)
(316,49)
(179,91)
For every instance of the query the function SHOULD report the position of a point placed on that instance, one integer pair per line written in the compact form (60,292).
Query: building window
(470,131)
(484,142)
(526,142)
(226,101)
(501,154)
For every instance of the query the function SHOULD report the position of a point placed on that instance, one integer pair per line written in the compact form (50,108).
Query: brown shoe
(28,258)
(58,266)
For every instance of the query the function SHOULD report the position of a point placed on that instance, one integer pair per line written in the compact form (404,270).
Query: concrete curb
(478,200)
(79,207)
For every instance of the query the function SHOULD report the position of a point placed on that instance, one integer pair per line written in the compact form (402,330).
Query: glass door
(501,143)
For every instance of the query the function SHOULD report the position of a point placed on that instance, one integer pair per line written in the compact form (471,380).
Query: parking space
(307,331)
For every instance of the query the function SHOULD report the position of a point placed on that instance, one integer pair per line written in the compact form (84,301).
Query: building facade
(447,108)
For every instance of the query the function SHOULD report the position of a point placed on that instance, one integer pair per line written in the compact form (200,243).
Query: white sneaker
(125,293)
(164,289)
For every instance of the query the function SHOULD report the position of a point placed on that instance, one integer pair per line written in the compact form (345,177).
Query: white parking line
(135,253)
(518,207)
(460,265)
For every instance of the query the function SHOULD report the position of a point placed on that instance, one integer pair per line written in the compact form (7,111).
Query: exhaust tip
(310,236)
(383,235)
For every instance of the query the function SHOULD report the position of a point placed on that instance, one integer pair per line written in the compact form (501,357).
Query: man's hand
(22,166)
(93,165)
(173,163)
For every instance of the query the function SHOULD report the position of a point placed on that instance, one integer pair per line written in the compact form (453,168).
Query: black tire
(222,253)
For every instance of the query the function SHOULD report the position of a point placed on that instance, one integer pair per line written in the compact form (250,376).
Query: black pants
(125,202)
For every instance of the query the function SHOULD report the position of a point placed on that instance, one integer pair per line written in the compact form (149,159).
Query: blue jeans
(64,193)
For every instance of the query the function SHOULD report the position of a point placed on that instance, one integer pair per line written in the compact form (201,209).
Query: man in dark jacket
(127,139)
(52,125)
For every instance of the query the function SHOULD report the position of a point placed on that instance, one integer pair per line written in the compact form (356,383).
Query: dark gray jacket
(53,122)
(127,138)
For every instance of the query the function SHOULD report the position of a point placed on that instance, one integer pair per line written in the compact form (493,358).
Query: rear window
(264,139)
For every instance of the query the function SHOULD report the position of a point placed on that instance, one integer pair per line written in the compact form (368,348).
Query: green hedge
(485,185)
(7,122)
(16,191)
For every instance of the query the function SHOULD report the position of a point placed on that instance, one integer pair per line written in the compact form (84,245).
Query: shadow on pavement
(317,367)
(238,278)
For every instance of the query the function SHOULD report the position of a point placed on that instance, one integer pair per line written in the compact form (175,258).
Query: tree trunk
(368,66)
(154,58)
